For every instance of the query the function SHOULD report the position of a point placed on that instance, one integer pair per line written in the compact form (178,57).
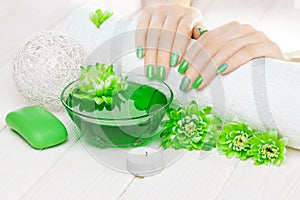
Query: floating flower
(186,128)
(234,140)
(267,148)
(99,83)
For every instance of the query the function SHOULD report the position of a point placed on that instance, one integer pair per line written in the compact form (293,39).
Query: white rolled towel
(264,92)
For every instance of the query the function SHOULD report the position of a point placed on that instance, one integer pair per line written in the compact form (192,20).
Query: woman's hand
(163,34)
(221,51)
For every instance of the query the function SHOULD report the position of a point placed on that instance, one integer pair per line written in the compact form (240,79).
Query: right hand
(163,34)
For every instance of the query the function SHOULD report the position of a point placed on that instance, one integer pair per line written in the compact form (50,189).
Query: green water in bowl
(128,129)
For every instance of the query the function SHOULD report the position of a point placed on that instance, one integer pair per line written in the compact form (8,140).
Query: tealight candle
(144,161)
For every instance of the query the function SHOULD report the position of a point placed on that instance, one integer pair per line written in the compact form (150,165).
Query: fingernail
(150,72)
(161,72)
(197,82)
(222,68)
(183,67)
(174,59)
(184,84)
(139,51)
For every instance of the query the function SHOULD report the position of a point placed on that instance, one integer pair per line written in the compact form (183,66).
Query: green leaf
(107,14)
(99,12)
(98,17)
(207,110)
(94,18)
(98,100)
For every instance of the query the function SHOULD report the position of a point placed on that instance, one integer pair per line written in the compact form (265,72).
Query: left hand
(221,51)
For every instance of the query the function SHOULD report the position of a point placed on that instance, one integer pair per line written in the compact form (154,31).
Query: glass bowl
(133,120)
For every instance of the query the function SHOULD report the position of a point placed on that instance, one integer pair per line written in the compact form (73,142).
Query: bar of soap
(40,128)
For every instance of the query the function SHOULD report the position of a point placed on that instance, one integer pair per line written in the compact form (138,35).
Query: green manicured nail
(184,65)
(197,82)
(161,72)
(174,59)
(150,72)
(184,84)
(139,51)
(222,68)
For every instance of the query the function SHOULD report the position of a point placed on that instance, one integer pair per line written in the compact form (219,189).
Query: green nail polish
(150,72)
(183,67)
(184,84)
(197,82)
(139,51)
(161,72)
(222,68)
(174,59)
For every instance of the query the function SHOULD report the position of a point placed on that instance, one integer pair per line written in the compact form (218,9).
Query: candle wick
(146,153)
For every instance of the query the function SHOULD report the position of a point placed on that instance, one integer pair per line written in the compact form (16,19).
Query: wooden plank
(265,182)
(188,178)
(22,165)
(78,175)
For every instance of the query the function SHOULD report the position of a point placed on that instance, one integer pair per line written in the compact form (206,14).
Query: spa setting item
(37,126)
(145,161)
(116,111)
(44,64)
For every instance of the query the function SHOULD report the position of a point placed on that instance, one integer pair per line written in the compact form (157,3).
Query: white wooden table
(68,171)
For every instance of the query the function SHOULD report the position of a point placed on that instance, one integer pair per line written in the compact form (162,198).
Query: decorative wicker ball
(45,64)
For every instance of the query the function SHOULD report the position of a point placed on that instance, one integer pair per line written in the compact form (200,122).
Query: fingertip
(141,32)
(139,51)
(150,71)
(174,59)
(229,69)
(201,87)
(161,73)
(222,68)
(183,66)
(197,82)
(198,31)
(185,84)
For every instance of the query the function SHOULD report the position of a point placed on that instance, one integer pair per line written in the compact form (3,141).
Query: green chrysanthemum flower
(267,148)
(186,128)
(99,83)
(234,140)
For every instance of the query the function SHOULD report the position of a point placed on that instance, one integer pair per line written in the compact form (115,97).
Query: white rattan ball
(45,64)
